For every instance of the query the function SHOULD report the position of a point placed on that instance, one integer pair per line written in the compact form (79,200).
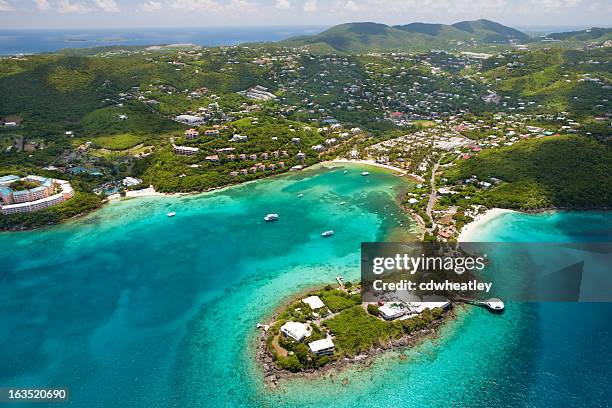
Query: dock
(340,281)
(493,304)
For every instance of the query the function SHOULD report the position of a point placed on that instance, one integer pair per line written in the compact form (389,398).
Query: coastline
(469,233)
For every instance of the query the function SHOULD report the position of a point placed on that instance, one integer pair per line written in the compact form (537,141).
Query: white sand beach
(470,232)
(371,163)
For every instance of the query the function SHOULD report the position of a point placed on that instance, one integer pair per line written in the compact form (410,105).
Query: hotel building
(47,193)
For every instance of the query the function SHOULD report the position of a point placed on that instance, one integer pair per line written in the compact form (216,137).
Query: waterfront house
(314,302)
(295,330)
(321,347)
(391,311)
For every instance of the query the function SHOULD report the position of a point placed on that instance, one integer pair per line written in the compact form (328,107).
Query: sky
(69,14)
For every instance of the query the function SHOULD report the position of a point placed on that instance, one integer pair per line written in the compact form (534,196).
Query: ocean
(47,40)
(128,307)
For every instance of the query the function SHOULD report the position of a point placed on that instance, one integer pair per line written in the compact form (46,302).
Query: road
(432,195)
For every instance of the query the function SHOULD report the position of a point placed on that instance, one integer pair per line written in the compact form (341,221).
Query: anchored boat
(271,217)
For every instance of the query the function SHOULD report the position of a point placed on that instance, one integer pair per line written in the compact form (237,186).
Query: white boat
(271,217)
(171,214)
(328,233)
(300,195)
(345,171)
(342,203)
(365,173)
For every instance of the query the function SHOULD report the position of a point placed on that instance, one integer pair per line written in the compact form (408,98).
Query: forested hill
(374,36)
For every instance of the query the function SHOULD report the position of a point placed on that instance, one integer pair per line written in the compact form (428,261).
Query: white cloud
(351,6)
(6,6)
(310,6)
(108,5)
(65,6)
(151,6)
(43,4)
(193,5)
(283,4)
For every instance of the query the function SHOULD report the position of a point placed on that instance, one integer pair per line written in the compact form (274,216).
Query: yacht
(345,171)
(365,173)
(271,217)
(328,233)
(171,214)
(301,195)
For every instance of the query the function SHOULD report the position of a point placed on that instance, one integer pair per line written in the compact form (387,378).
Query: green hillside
(490,31)
(368,36)
(558,171)
(598,34)
(560,79)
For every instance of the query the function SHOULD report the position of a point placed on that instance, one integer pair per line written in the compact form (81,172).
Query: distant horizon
(289,26)
(106,14)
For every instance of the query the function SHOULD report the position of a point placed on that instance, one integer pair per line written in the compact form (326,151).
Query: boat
(300,195)
(271,217)
(327,233)
(365,173)
(171,214)
(342,203)
(345,171)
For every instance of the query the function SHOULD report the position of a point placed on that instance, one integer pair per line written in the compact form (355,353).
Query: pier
(493,304)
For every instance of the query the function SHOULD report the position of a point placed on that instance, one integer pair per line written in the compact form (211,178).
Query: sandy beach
(384,166)
(469,233)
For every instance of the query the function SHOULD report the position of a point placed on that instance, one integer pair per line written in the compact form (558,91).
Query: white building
(185,150)
(390,312)
(321,347)
(131,181)
(314,302)
(296,330)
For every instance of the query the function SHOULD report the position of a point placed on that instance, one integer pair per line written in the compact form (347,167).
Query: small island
(331,327)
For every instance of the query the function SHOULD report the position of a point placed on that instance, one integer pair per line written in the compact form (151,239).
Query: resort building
(296,330)
(322,347)
(32,193)
(192,134)
(185,150)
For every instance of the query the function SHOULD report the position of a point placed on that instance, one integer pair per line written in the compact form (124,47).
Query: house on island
(314,302)
(391,311)
(322,347)
(296,330)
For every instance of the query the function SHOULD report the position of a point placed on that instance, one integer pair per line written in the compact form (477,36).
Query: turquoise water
(130,308)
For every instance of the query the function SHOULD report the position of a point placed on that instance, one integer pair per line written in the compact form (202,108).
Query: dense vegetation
(557,171)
